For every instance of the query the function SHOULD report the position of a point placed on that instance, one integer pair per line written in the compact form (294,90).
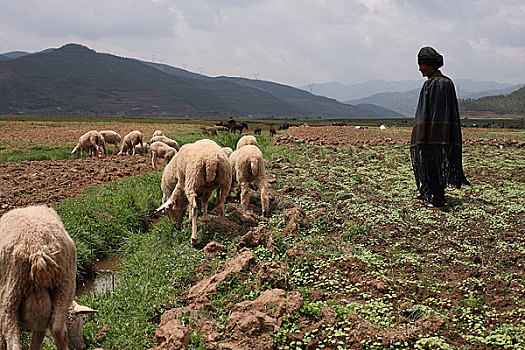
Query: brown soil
(47,182)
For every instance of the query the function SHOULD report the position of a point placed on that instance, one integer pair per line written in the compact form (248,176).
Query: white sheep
(111,137)
(158,133)
(159,150)
(247,140)
(38,264)
(166,140)
(227,151)
(196,170)
(382,127)
(247,167)
(92,141)
(141,148)
(130,141)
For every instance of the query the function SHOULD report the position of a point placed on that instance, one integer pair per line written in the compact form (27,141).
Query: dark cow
(257,131)
(239,127)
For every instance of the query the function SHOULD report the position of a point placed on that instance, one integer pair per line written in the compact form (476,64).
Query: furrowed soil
(352,261)
(347,258)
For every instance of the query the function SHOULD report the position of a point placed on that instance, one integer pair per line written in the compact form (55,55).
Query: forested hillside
(513,103)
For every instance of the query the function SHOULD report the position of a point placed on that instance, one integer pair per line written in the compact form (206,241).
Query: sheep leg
(36,340)
(11,328)
(222,193)
(193,216)
(205,200)
(61,302)
(3,345)
(245,194)
(153,157)
(265,203)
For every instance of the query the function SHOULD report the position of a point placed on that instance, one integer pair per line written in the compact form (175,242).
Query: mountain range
(75,79)
(402,96)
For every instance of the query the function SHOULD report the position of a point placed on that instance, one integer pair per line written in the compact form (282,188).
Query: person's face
(425,69)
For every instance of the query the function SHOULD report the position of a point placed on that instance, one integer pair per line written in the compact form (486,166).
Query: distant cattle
(257,131)
(239,127)
(272,131)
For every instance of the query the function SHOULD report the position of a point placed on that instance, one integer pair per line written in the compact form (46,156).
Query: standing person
(436,140)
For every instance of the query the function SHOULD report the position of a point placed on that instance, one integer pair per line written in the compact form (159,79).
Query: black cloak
(436,134)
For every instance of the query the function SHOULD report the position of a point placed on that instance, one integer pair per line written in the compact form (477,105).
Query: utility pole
(153,58)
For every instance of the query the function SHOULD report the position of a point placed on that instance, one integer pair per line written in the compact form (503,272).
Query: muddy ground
(253,323)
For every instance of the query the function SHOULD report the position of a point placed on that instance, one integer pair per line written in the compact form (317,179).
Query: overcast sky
(294,42)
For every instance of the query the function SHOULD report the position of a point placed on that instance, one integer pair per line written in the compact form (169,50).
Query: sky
(294,42)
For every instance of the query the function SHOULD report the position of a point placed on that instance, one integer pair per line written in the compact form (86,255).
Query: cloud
(293,41)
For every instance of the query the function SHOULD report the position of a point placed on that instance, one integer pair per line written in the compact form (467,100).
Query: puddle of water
(106,277)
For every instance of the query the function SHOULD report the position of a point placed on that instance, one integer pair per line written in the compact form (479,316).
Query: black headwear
(428,55)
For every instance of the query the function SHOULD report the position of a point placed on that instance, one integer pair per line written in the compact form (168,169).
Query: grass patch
(36,153)
(100,220)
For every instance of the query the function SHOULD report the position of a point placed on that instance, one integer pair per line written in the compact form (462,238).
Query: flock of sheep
(38,258)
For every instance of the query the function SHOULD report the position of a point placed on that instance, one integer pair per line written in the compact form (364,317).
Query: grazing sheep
(196,170)
(111,137)
(247,140)
(257,131)
(247,167)
(166,140)
(382,127)
(38,264)
(227,151)
(130,141)
(162,151)
(158,133)
(272,131)
(90,140)
(141,148)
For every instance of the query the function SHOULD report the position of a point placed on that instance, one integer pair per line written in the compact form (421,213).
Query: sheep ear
(81,309)
(165,205)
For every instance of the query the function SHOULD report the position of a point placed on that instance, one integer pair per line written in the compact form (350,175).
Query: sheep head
(75,321)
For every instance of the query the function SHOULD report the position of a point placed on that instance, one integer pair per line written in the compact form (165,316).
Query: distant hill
(406,102)
(312,105)
(382,112)
(78,80)
(353,92)
(513,103)
(343,92)
(401,102)
(75,79)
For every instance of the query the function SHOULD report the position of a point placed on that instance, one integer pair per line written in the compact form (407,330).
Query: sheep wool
(197,169)
(130,142)
(248,166)
(37,277)
(247,140)
(166,140)
(159,150)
